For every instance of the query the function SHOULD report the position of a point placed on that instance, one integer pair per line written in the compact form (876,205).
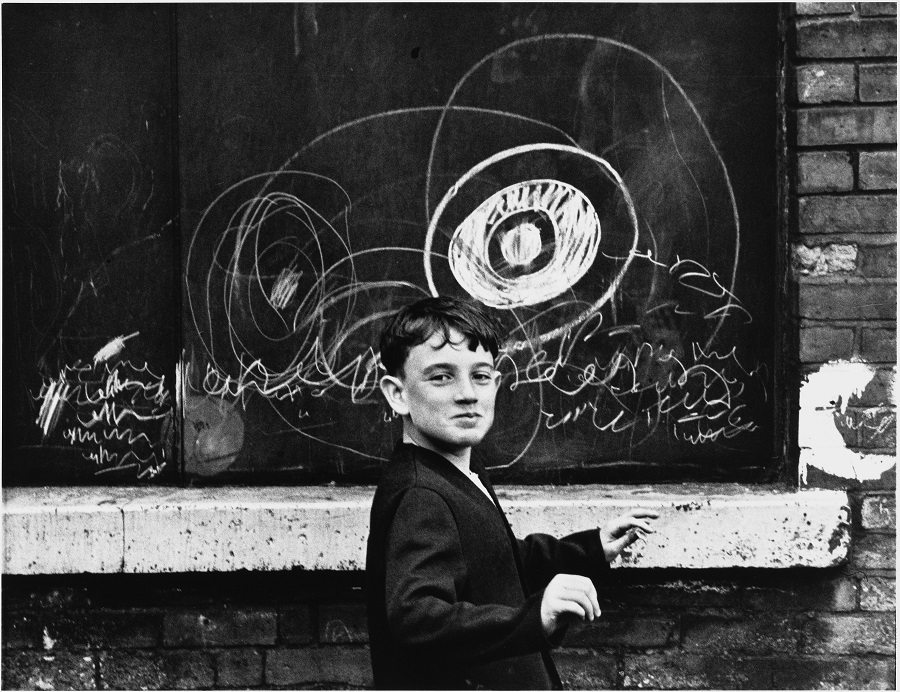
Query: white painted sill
(153,530)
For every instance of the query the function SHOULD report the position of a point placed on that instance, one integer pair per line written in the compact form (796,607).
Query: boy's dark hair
(414,324)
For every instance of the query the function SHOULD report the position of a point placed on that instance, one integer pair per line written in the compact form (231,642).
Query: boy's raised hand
(625,530)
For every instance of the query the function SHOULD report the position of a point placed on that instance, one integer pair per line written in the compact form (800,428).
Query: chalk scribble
(613,298)
(113,348)
(119,418)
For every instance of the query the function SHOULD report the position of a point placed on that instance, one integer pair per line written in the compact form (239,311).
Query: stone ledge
(153,530)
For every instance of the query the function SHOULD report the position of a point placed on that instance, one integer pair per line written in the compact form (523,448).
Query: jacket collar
(444,468)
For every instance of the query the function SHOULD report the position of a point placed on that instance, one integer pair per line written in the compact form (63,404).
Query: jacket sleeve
(581,553)
(425,574)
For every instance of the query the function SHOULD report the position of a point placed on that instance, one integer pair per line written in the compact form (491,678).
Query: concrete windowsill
(150,530)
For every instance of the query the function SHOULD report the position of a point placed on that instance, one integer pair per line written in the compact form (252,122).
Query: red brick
(849,301)
(219,628)
(188,670)
(180,670)
(824,171)
(878,170)
(33,670)
(846,125)
(846,38)
(323,666)
(239,668)
(830,673)
(295,625)
(879,345)
(824,83)
(759,634)
(878,261)
(803,593)
(615,629)
(680,671)
(343,624)
(877,83)
(21,630)
(878,593)
(19,592)
(585,670)
(823,260)
(874,551)
(821,344)
(132,628)
(820,8)
(874,9)
(850,634)
(879,512)
(132,670)
(857,214)
(676,594)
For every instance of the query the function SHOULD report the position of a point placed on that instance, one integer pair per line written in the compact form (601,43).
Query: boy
(455,600)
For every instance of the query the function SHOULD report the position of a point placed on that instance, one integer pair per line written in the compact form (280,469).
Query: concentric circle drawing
(574,239)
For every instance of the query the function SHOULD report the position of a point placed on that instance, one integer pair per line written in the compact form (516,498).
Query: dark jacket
(453,597)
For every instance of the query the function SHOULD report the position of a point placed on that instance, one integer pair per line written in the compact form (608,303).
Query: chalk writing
(119,417)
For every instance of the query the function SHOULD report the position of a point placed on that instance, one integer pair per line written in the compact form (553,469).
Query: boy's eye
(482,377)
(440,378)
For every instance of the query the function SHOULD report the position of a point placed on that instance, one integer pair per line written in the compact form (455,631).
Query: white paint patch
(113,348)
(821,445)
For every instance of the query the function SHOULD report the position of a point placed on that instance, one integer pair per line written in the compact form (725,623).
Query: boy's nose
(465,391)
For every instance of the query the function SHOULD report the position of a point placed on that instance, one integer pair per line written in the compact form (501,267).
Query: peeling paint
(822,395)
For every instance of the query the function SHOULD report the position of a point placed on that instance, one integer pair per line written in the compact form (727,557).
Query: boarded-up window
(211,209)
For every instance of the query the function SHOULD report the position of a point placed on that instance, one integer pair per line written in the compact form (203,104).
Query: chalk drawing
(824,398)
(576,230)
(576,238)
(615,303)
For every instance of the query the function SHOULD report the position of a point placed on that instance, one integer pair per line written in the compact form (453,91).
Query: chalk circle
(576,238)
(576,230)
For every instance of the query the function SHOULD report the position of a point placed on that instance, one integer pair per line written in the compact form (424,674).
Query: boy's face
(446,394)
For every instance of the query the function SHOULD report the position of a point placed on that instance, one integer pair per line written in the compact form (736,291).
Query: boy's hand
(625,530)
(568,596)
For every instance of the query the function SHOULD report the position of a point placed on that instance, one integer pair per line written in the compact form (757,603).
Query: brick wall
(729,629)
(663,629)
(842,141)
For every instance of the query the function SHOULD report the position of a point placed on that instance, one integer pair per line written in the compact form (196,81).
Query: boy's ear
(395,393)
